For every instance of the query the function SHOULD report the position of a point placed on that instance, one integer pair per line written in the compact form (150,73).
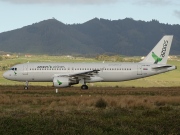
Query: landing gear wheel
(25,87)
(84,87)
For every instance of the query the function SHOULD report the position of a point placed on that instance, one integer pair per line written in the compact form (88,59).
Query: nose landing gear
(26,85)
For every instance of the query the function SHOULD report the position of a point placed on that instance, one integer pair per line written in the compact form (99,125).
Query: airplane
(68,74)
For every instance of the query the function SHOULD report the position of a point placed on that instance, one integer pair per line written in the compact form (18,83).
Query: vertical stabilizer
(160,52)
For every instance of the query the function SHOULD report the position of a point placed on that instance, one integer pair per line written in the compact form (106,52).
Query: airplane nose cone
(5,75)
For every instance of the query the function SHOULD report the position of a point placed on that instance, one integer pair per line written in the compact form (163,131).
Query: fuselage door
(72,69)
(139,70)
(25,69)
(102,69)
(145,69)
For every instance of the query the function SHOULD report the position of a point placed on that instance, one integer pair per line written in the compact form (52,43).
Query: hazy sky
(18,13)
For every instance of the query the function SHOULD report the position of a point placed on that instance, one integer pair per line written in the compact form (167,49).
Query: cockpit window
(14,69)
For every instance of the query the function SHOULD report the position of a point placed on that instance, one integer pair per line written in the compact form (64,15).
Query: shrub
(101,103)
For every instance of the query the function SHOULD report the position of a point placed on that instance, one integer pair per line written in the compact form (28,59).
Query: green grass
(103,122)
(101,111)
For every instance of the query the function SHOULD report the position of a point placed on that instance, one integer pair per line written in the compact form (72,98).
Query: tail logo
(163,52)
(156,58)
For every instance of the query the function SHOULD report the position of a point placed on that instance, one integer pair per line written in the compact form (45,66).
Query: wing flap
(81,74)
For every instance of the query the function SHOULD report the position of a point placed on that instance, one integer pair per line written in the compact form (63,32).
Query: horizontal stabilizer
(161,67)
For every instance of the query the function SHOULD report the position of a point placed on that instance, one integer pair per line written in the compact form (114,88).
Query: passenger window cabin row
(87,69)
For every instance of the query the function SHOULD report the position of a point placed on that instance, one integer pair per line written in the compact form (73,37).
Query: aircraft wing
(81,74)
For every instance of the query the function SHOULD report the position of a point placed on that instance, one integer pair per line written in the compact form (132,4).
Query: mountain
(97,36)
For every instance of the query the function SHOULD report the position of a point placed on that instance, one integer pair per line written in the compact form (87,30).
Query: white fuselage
(109,72)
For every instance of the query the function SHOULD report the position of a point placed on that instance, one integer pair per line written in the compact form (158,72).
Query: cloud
(87,2)
(177,13)
(95,2)
(153,2)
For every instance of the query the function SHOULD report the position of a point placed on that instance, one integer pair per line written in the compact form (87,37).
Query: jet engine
(61,82)
(64,82)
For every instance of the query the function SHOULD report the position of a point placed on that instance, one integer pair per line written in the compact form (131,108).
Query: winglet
(160,52)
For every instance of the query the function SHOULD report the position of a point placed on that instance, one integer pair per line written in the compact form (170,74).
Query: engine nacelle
(61,82)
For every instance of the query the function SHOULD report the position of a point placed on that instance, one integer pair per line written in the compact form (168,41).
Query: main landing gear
(84,87)
(26,87)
